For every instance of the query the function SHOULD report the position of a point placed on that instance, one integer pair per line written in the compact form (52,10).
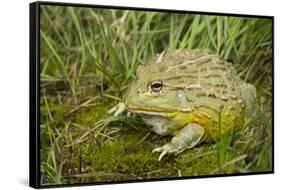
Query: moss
(126,159)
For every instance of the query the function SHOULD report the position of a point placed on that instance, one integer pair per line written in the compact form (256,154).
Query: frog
(192,95)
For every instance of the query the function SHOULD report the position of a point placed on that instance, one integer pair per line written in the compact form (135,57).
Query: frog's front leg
(186,138)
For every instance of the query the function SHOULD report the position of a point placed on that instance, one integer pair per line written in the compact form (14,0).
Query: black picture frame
(34,93)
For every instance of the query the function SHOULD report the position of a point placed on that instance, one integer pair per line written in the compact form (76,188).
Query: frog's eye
(156,86)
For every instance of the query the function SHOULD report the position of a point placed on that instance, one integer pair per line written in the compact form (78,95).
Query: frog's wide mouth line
(153,111)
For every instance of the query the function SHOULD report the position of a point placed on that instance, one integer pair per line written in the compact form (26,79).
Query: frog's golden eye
(156,86)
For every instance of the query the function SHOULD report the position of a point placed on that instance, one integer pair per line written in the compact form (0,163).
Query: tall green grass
(89,56)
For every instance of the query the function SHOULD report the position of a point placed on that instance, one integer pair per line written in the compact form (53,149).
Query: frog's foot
(118,109)
(188,137)
(167,148)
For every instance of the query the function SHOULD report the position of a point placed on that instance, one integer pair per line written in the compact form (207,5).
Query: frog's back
(217,95)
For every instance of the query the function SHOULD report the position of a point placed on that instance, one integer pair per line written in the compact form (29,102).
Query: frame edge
(34,134)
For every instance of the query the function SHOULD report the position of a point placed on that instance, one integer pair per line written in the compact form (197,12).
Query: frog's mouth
(151,112)
(165,112)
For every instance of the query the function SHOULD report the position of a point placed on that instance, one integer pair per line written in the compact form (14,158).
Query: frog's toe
(162,154)
(159,149)
(118,109)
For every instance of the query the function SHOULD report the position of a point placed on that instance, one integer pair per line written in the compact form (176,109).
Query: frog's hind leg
(186,138)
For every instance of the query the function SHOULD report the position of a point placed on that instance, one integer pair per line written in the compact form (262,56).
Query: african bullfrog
(190,94)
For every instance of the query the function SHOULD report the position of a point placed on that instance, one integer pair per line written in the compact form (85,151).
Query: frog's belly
(158,124)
